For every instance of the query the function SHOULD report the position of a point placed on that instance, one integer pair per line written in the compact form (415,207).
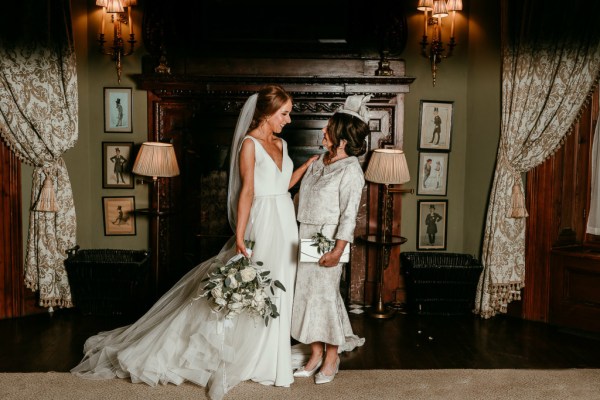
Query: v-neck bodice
(268,179)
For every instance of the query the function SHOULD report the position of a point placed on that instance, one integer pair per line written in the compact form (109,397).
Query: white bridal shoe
(322,378)
(304,373)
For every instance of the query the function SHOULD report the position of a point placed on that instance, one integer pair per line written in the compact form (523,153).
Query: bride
(180,338)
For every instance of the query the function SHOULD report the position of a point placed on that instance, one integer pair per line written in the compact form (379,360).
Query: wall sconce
(116,11)
(433,13)
(386,167)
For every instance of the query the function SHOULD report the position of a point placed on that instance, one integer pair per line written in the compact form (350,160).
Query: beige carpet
(580,384)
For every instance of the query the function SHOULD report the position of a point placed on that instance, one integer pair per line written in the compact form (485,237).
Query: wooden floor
(53,342)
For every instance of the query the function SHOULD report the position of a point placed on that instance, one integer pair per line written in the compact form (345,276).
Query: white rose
(217,292)
(236,297)
(248,274)
(231,282)
(221,301)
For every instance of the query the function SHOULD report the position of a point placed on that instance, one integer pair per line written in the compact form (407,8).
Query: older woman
(329,197)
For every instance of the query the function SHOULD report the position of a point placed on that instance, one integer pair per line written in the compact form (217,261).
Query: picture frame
(375,125)
(433,174)
(432,224)
(118,214)
(117,161)
(435,125)
(118,109)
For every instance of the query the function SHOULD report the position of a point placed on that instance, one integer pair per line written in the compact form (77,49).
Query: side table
(381,243)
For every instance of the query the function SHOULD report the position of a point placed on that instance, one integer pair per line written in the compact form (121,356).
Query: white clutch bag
(309,253)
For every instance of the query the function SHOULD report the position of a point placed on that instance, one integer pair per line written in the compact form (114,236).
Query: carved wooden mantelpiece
(198,115)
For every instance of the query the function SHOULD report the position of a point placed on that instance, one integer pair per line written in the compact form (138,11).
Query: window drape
(38,122)
(550,62)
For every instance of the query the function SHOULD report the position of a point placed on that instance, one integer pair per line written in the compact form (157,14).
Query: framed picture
(432,224)
(433,174)
(117,161)
(375,125)
(117,110)
(118,215)
(435,126)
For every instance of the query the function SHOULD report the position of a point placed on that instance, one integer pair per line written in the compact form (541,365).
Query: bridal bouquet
(241,285)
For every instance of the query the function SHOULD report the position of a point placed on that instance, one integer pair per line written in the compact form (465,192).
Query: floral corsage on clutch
(240,285)
(312,249)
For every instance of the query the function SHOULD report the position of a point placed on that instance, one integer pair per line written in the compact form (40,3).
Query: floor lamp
(157,160)
(386,167)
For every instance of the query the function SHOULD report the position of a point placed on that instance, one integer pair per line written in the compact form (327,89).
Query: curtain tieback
(47,199)
(517,199)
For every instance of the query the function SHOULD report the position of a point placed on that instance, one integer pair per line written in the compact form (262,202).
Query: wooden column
(11,249)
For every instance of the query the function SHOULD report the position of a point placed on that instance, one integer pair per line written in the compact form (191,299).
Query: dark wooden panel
(575,298)
(316,29)
(560,286)
(12,301)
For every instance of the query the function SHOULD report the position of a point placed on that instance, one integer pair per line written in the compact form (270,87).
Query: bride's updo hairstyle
(270,99)
(349,123)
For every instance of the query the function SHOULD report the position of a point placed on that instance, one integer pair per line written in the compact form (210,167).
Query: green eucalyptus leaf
(279,285)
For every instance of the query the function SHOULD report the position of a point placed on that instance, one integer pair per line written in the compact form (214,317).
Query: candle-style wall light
(434,11)
(119,14)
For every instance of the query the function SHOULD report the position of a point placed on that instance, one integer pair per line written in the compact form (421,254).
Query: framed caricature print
(117,109)
(118,215)
(432,224)
(435,126)
(116,165)
(433,174)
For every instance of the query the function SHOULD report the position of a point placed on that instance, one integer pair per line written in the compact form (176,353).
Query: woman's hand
(331,258)
(298,173)
(240,247)
(311,160)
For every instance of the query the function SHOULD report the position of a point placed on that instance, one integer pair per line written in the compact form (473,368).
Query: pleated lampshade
(156,159)
(387,166)
(425,5)
(114,6)
(439,9)
(454,5)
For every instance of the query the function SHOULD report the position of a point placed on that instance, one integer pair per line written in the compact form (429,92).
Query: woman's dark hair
(270,99)
(349,128)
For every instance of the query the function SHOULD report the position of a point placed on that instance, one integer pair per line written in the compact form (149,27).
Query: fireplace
(197,114)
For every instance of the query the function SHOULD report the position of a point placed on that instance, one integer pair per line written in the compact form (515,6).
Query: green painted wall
(94,72)
(470,79)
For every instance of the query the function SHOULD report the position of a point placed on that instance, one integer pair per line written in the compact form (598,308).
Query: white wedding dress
(180,339)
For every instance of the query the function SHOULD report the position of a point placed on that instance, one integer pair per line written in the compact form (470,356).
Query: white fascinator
(356,105)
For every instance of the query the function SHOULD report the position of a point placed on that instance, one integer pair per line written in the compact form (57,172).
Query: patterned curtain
(38,121)
(550,63)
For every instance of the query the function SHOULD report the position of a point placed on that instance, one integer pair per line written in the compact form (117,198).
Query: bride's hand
(241,248)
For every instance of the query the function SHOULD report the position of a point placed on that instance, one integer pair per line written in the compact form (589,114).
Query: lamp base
(397,306)
(380,312)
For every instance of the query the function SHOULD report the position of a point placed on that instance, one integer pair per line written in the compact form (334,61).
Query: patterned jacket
(330,195)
